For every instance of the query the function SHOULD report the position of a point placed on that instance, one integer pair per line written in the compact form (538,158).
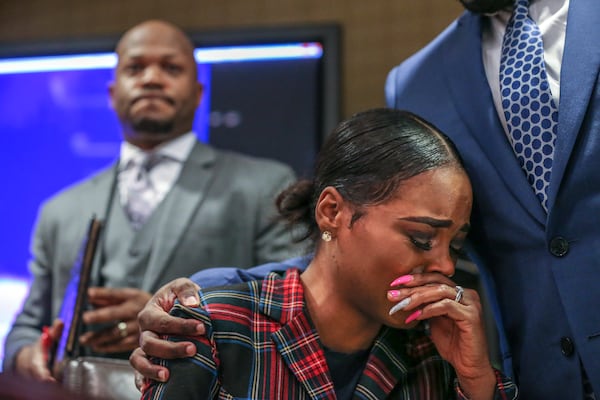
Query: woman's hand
(456,326)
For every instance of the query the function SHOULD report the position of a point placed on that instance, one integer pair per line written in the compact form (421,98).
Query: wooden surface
(378,34)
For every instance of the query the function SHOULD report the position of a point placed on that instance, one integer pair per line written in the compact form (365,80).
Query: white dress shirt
(164,174)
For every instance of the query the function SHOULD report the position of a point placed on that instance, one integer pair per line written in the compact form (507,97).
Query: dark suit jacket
(543,268)
(219,213)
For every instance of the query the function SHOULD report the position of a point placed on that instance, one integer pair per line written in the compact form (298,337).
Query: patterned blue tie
(529,109)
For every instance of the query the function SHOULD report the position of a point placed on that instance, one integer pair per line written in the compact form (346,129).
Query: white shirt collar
(176,149)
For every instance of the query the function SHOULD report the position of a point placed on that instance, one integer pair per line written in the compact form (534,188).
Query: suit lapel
(474,103)
(100,199)
(180,205)
(384,367)
(104,193)
(297,340)
(299,346)
(579,73)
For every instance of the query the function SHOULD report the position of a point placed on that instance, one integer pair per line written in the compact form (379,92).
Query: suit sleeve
(232,276)
(505,388)
(390,88)
(36,311)
(273,240)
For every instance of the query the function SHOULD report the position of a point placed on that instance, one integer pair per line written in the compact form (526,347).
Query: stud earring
(326,236)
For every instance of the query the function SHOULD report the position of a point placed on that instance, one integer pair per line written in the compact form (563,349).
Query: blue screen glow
(58,128)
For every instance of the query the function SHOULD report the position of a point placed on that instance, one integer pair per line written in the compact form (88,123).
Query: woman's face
(419,229)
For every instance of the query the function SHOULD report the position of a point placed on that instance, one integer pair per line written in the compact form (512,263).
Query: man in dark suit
(201,207)
(541,265)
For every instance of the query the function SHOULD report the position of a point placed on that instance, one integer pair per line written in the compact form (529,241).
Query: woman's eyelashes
(458,252)
(425,243)
(420,243)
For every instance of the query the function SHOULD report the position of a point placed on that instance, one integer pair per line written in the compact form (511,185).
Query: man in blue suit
(541,266)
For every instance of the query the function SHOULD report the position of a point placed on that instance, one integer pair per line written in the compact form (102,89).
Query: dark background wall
(378,34)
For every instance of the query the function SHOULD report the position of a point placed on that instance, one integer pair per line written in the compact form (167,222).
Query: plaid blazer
(261,344)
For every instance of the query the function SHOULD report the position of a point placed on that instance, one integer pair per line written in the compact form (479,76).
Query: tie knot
(152,160)
(142,195)
(145,161)
(521,7)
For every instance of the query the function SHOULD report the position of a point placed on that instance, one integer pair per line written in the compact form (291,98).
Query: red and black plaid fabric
(261,344)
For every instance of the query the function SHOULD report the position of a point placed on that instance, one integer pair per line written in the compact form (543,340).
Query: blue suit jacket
(547,301)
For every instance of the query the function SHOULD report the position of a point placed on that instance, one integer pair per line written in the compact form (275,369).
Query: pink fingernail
(413,316)
(402,280)
(393,294)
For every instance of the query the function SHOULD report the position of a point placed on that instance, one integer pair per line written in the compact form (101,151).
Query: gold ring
(122,327)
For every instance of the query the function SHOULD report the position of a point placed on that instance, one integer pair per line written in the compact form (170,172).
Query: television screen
(270,92)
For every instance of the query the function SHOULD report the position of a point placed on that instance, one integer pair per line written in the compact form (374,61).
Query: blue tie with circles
(529,109)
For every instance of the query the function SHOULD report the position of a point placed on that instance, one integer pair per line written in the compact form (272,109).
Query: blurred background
(373,37)
(377,34)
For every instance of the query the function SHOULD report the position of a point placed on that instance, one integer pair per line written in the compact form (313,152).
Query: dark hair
(366,158)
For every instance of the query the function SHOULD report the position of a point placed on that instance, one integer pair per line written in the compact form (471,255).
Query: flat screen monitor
(270,92)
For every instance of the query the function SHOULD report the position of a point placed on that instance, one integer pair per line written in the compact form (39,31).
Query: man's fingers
(99,337)
(56,329)
(110,335)
(154,316)
(125,311)
(152,345)
(186,292)
(105,314)
(32,363)
(42,373)
(103,296)
(138,379)
(144,366)
(122,346)
(156,320)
